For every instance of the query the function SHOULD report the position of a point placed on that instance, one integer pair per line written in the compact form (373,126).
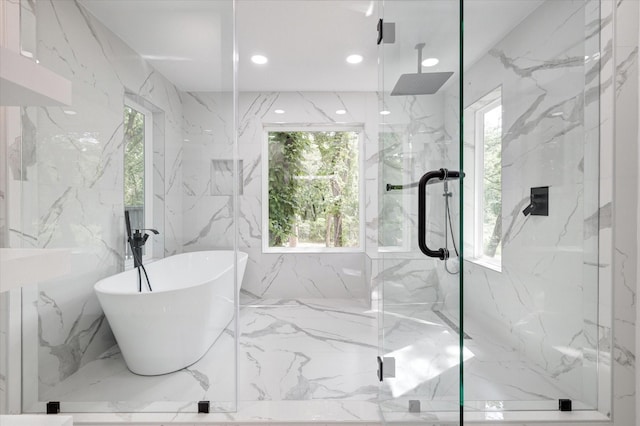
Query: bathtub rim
(98,287)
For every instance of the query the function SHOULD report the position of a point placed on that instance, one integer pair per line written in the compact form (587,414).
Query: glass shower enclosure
(78,173)
(486,200)
(418,295)
(490,267)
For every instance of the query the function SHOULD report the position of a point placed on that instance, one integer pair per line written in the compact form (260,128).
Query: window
(138,169)
(485,117)
(394,226)
(313,190)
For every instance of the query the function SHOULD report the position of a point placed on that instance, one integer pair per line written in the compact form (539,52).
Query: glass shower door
(531,113)
(72,176)
(527,214)
(418,295)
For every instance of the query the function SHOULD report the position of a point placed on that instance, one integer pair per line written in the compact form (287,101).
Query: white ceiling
(185,40)
(306,41)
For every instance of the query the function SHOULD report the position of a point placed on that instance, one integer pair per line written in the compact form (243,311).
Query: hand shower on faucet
(137,240)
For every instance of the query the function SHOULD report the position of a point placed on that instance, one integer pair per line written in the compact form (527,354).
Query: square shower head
(426,83)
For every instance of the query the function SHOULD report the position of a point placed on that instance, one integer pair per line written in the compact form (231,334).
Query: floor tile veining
(307,349)
(318,356)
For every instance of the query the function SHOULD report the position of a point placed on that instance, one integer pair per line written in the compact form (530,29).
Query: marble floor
(321,354)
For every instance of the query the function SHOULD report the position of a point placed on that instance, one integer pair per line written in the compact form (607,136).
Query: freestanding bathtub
(172,327)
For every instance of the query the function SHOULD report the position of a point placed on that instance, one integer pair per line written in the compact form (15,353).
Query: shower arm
(419,48)
(441,175)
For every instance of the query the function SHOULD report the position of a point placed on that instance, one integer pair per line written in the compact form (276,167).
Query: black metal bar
(451,174)
(391,187)
(441,174)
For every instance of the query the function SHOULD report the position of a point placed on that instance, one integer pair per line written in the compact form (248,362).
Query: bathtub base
(173,326)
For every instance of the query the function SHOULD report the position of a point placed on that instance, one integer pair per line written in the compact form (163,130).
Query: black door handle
(441,174)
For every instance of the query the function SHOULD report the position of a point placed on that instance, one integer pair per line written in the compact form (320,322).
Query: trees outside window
(313,189)
(485,135)
(138,158)
(492,181)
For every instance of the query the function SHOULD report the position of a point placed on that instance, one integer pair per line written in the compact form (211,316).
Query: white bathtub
(172,327)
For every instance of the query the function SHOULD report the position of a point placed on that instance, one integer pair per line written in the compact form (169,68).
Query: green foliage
(313,189)
(492,197)
(392,220)
(286,151)
(133,157)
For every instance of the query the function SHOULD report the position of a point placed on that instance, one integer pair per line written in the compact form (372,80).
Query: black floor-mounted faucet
(137,240)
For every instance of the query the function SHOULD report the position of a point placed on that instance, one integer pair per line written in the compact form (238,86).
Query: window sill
(486,264)
(319,250)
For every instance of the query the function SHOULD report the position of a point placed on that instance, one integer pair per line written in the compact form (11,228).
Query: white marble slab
(20,267)
(35,420)
(72,186)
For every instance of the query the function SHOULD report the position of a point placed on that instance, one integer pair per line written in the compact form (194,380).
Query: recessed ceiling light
(385,112)
(354,59)
(186,140)
(430,62)
(341,112)
(69,112)
(279,111)
(259,59)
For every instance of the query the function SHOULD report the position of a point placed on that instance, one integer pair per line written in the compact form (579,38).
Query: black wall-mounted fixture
(539,202)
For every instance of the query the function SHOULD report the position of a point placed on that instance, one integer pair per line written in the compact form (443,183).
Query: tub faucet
(137,240)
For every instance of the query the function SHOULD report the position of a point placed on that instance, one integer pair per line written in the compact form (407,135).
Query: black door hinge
(53,407)
(204,406)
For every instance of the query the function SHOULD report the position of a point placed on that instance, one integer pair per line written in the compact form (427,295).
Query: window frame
(407,164)
(479,108)
(148,175)
(310,128)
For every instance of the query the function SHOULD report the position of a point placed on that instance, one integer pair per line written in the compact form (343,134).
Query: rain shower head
(420,83)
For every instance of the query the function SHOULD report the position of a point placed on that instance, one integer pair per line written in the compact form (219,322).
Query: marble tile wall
(4,362)
(624,86)
(208,131)
(72,186)
(618,244)
(544,301)
(208,219)
(426,143)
